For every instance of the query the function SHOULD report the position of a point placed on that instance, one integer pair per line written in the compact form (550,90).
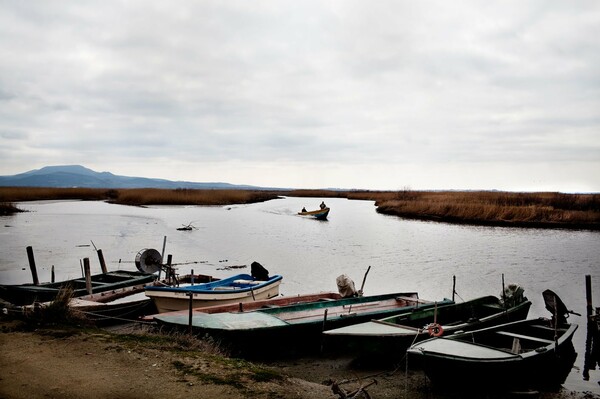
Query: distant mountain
(79,176)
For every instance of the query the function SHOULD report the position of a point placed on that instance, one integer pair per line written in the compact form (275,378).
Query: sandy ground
(68,363)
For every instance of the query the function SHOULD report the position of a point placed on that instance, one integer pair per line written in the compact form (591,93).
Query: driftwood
(187,227)
(358,393)
(232,267)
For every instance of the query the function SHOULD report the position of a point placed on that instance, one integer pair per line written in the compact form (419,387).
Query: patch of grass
(172,341)
(232,379)
(55,313)
(260,374)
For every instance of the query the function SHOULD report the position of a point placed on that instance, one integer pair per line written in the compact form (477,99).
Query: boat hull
(320,214)
(26,294)
(254,305)
(169,299)
(290,330)
(486,359)
(387,340)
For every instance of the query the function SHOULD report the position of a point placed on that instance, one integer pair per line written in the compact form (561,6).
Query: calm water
(310,254)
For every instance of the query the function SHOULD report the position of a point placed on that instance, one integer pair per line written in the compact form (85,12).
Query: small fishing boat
(525,354)
(234,289)
(128,303)
(388,339)
(320,214)
(26,294)
(291,329)
(115,306)
(254,305)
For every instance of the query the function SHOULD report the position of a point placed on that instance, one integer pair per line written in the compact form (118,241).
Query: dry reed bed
(496,208)
(139,197)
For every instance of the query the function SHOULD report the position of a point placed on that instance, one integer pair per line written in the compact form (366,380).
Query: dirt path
(66,363)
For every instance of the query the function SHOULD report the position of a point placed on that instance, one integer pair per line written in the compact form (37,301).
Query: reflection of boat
(388,338)
(291,329)
(319,213)
(25,294)
(534,353)
(234,289)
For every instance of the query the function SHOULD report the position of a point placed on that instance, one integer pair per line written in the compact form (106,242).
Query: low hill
(80,176)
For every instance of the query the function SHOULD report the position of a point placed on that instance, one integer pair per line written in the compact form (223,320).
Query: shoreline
(70,362)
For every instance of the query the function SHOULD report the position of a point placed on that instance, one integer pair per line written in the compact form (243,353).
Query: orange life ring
(435,330)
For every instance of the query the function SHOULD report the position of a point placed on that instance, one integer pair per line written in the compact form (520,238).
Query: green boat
(26,294)
(520,355)
(294,329)
(387,339)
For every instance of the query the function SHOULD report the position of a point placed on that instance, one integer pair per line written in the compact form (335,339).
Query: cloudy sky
(309,94)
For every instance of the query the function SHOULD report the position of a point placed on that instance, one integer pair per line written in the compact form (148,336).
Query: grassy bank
(551,210)
(139,197)
(555,210)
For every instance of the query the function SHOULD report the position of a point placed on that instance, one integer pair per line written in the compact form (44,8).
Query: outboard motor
(346,286)
(259,272)
(513,295)
(556,306)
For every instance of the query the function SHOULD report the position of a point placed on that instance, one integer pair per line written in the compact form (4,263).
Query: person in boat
(323,206)
(303,209)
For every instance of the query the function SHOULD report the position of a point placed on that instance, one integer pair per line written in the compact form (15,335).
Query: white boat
(234,289)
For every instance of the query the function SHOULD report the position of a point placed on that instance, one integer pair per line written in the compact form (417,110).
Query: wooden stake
(88,275)
(32,267)
(162,256)
(190,314)
(453,287)
(169,269)
(588,362)
(102,263)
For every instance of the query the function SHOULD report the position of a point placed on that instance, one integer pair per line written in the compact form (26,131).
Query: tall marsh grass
(143,196)
(496,208)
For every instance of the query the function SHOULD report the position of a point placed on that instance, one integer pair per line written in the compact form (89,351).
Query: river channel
(404,255)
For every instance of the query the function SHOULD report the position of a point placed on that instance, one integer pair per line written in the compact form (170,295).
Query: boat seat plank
(412,299)
(527,337)
(548,328)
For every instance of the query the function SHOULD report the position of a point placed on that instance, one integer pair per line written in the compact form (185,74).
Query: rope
(104,317)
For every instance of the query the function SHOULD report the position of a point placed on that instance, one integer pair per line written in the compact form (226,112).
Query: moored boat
(26,294)
(234,289)
(292,329)
(254,305)
(525,354)
(388,338)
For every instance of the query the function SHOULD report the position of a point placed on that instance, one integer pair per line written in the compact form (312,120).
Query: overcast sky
(308,94)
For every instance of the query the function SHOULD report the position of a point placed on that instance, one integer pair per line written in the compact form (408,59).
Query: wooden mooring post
(453,287)
(102,262)
(590,358)
(88,275)
(191,295)
(34,275)
(169,270)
